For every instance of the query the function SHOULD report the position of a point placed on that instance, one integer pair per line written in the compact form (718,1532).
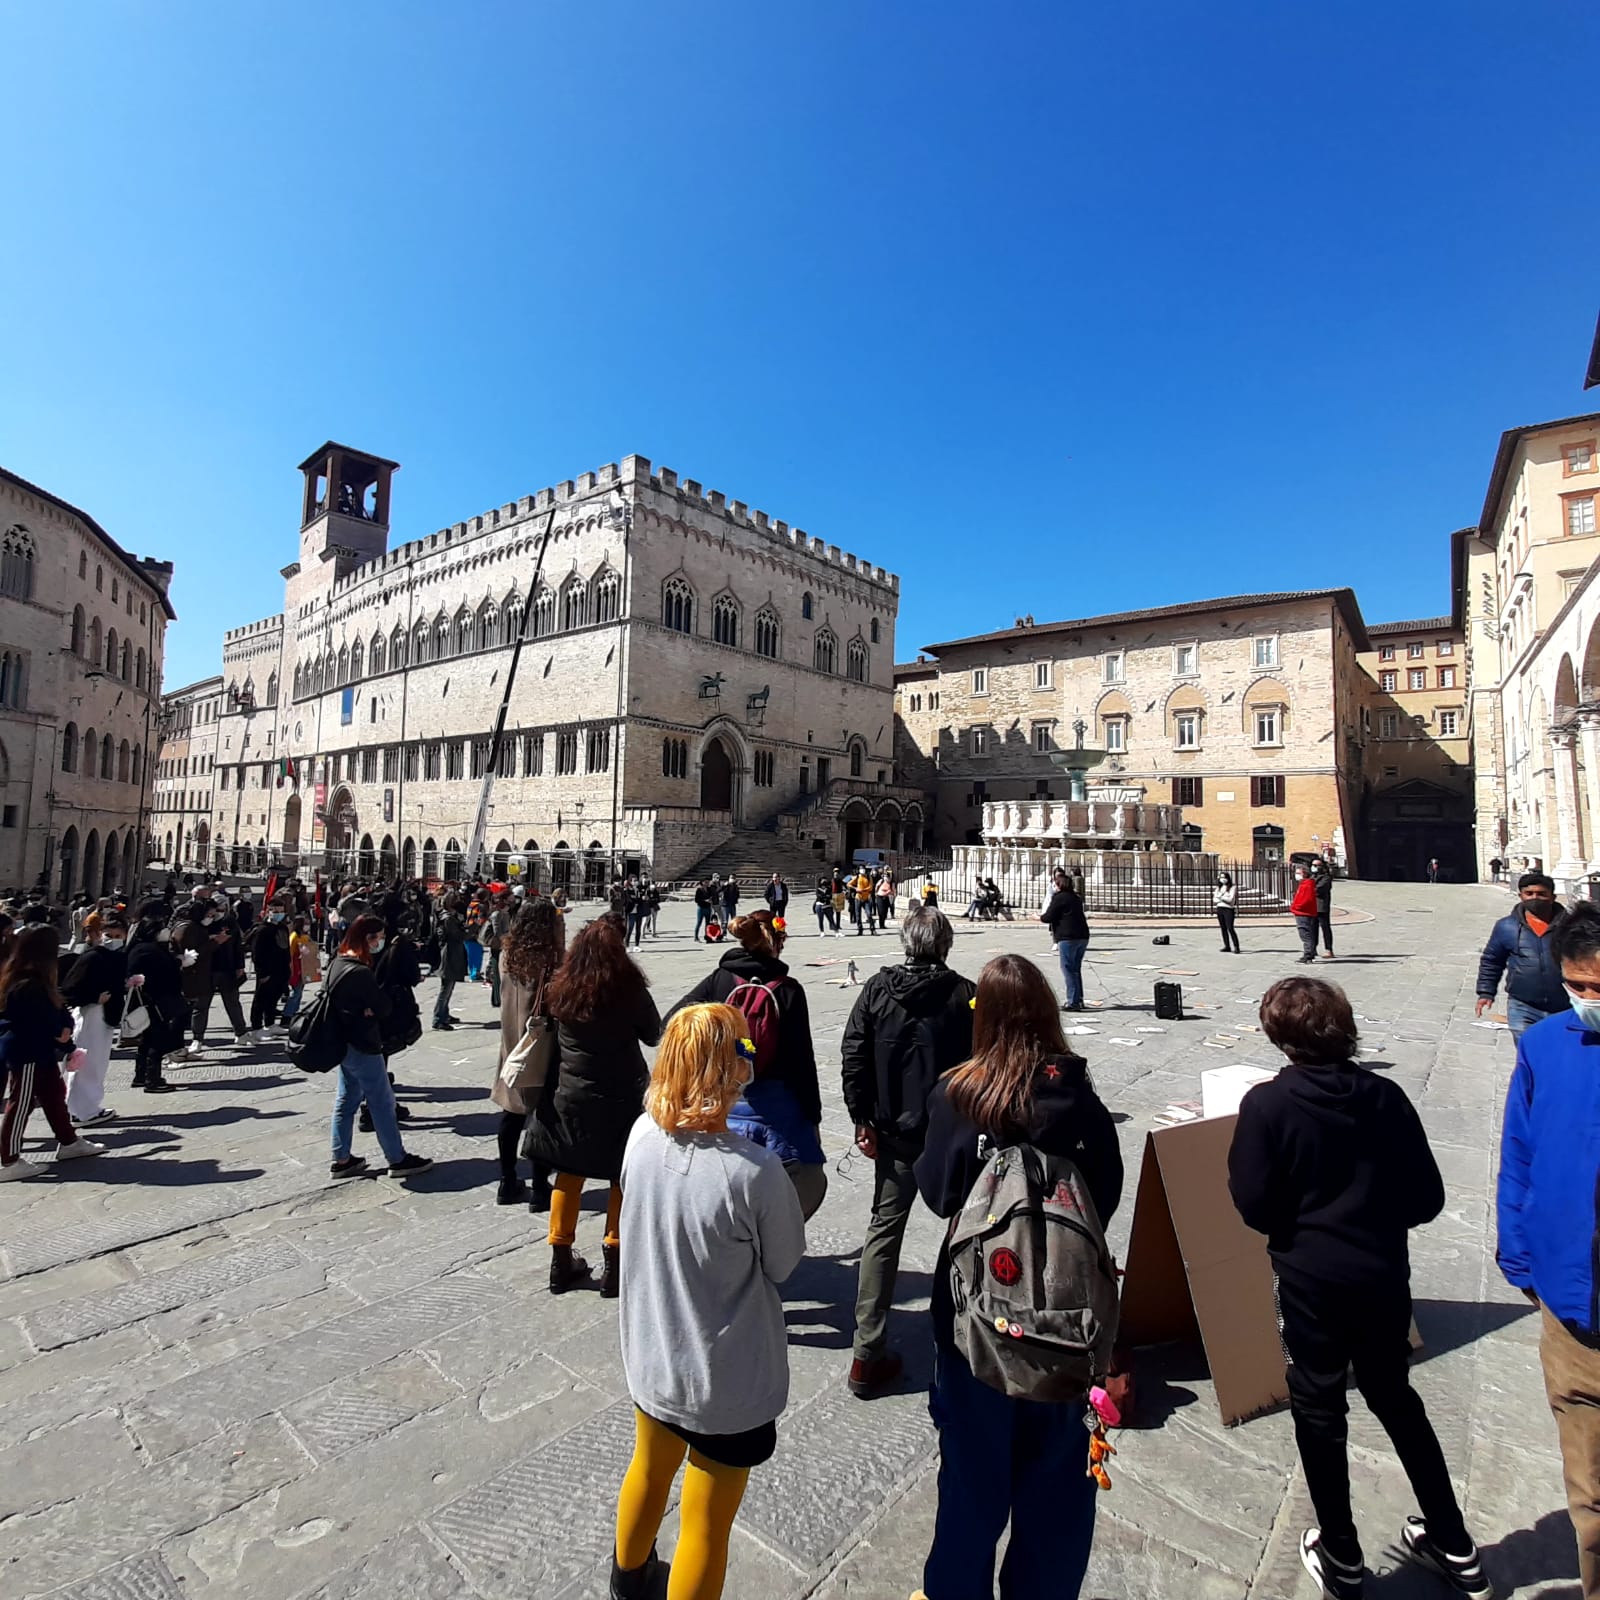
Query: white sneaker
(19,1170)
(193,1049)
(79,1147)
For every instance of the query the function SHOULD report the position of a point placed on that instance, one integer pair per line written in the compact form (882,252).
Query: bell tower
(344,517)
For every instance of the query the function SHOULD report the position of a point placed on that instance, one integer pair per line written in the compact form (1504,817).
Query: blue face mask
(1586,1010)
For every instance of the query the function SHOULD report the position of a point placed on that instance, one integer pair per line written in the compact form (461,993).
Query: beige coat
(516,1005)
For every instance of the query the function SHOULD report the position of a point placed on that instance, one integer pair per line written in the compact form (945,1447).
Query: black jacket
(162,992)
(796,1064)
(353,992)
(269,950)
(452,937)
(1064,916)
(33,1027)
(909,1026)
(96,972)
(596,1092)
(1331,1163)
(1528,960)
(399,971)
(1069,1120)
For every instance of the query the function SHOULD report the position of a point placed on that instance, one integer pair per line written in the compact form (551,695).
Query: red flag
(317,904)
(270,891)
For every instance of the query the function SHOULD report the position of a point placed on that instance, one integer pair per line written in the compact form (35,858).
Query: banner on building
(347,707)
(388,805)
(319,807)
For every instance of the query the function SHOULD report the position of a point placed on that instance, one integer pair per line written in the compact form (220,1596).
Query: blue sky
(1051,308)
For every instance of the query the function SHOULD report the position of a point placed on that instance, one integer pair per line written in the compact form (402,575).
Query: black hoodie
(1331,1163)
(911,1024)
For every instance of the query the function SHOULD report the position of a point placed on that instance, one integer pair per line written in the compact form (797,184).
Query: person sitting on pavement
(910,1025)
(1522,948)
(781,1109)
(1545,1202)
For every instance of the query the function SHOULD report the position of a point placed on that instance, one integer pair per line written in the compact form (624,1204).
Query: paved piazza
(222,1375)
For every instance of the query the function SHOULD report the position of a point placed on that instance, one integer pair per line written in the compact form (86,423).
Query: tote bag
(522,1075)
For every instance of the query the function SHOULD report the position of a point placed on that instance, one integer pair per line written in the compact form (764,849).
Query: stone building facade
(1529,606)
(1244,712)
(1416,802)
(180,830)
(691,670)
(82,636)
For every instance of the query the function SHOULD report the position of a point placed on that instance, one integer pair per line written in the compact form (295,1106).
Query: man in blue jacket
(1522,946)
(1549,1215)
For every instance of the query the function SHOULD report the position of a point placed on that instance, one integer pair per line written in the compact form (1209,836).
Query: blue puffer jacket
(769,1115)
(1528,960)
(1549,1190)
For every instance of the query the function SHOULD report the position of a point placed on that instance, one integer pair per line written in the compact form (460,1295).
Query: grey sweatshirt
(710,1228)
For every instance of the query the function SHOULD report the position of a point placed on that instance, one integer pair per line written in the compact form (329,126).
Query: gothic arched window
(855,664)
(808,606)
(16,563)
(606,597)
(488,626)
(825,654)
(574,603)
(767,632)
(377,656)
(677,606)
(725,620)
(544,613)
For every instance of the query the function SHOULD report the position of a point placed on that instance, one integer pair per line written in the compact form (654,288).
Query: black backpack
(314,1041)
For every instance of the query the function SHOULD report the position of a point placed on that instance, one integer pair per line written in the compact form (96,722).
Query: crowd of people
(713,1163)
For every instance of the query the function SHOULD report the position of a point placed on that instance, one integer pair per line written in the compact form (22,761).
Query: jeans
(1226,917)
(1307,927)
(474,960)
(441,1006)
(291,1003)
(702,915)
(1522,1016)
(365,1077)
(894,1192)
(1001,1460)
(1326,1331)
(1070,954)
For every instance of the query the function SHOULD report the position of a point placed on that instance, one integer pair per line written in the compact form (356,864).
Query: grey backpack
(1035,1287)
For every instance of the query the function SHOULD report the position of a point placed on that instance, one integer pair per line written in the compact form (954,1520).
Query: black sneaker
(443,1027)
(1464,1574)
(1339,1580)
(512,1192)
(409,1166)
(160,1086)
(350,1167)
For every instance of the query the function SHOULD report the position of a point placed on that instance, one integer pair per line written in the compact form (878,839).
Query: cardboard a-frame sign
(1194,1268)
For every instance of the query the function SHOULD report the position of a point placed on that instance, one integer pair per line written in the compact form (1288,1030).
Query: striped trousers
(28,1086)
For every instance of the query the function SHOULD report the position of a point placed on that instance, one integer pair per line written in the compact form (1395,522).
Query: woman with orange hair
(712,1228)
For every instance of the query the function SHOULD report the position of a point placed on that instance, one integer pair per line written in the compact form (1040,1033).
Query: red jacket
(1304,903)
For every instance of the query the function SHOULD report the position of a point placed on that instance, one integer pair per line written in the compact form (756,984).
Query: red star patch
(1052,1071)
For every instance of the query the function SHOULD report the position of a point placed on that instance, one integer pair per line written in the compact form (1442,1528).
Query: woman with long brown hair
(1003,1459)
(34,1025)
(359,1007)
(528,957)
(602,1005)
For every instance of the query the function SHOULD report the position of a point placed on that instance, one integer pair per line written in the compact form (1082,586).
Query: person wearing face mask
(154,969)
(1522,948)
(1303,908)
(1548,1206)
(269,954)
(193,945)
(94,989)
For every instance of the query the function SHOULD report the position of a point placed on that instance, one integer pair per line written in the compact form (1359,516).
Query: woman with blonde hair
(712,1228)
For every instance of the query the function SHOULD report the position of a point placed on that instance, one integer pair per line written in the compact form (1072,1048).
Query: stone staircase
(752,855)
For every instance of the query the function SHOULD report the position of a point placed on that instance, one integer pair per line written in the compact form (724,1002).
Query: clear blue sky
(1051,308)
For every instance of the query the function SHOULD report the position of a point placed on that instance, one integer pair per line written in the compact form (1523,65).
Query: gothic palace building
(694,675)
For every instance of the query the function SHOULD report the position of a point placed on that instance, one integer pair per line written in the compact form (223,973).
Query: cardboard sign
(1195,1269)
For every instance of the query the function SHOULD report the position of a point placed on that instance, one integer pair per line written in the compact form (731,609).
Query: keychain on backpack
(1102,1414)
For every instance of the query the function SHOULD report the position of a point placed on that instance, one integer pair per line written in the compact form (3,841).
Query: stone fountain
(1077,761)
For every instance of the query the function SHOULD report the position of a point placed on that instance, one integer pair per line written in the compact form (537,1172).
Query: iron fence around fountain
(1147,883)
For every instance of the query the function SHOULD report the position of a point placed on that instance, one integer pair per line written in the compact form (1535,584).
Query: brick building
(1245,711)
(82,635)
(693,673)
(180,826)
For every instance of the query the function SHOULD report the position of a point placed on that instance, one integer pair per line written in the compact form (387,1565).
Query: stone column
(1589,733)
(1569,866)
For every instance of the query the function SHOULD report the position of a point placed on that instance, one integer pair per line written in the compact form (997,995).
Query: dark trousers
(509,1139)
(32,1085)
(1307,927)
(894,1192)
(1006,1460)
(441,1006)
(264,1003)
(1327,1331)
(1226,917)
(201,1012)
(1325,924)
(155,1043)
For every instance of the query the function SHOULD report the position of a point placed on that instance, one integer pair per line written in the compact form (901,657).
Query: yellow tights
(706,1509)
(565,1202)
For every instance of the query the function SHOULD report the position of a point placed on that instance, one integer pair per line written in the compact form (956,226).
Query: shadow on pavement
(1540,1554)
(1447,1325)
(830,1323)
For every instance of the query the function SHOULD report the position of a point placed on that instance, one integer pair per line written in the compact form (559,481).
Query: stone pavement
(223,1376)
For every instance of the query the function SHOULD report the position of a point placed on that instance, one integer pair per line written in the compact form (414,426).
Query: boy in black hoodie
(1331,1163)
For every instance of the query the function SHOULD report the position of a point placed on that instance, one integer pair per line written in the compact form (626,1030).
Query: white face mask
(113,944)
(1586,1010)
(376,945)
(164,936)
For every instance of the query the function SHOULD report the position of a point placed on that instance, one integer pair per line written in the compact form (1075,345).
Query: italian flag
(286,772)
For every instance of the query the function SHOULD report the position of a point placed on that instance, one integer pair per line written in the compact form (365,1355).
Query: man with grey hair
(911,1024)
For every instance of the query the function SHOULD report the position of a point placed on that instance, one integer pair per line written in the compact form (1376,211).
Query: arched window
(299,680)
(343,668)
(855,660)
(91,753)
(574,603)
(108,755)
(316,682)
(677,606)
(376,655)
(873,625)
(488,626)
(767,632)
(419,643)
(16,563)
(77,631)
(138,669)
(825,654)
(857,758)
(125,662)
(358,662)
(511,618)
(138,765)
(83,563)
(441,637)
(69,747)
(674,758)
(606,596)
(808,606)
(94,651)
(111,651)
(463,631)
(397,648)
(544,613)
(123,755)
(10,679)
(725,620)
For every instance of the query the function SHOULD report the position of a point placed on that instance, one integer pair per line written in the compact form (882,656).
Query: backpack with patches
(1034,1285)
(759,1004)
